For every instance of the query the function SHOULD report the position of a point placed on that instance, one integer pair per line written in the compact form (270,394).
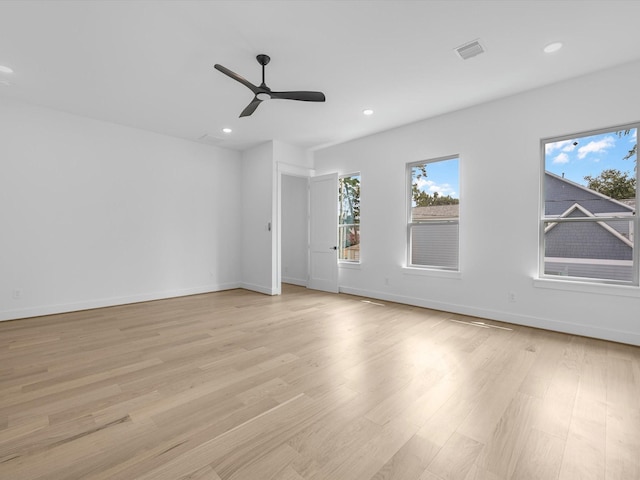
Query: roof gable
(561,194)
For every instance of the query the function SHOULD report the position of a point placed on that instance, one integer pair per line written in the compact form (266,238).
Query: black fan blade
(304,96)
(249,109)
(237,78)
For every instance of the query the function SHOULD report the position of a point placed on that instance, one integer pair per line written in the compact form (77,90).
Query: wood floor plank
(329,443)
(541,457)
(584,452)
(622,442)
(267,466)
(503,450)
(369,457)
(455,458)
(410,462)
(287,473)
(204,473)
(310,386)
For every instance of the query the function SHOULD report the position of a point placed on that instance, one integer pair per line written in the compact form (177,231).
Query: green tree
(419,197)
(349,213)
(613,183)
(349,190)
(422,198)
(633,152)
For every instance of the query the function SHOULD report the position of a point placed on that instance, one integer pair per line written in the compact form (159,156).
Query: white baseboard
(516,319)
(259,288)
(295,281)
(41,310)
(500,316)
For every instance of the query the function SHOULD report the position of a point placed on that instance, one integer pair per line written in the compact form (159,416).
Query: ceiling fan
(263,92)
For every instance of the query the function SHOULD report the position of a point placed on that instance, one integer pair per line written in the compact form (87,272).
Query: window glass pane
(349,218)
(590,249)
(349,242)
(602,163)
(591,177)
(434,190)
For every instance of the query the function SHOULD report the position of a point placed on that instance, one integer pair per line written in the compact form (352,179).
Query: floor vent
(470,49)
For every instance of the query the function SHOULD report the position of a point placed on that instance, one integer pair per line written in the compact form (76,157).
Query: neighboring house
(435,243)
(436,211)
(587,249)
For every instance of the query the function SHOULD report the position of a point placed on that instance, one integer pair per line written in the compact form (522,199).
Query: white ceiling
(149,64)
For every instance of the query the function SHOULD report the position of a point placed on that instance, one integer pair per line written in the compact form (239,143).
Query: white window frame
(346,261)
(546,223)
(410,224)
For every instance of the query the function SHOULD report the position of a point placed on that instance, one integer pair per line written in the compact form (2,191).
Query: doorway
(294,233)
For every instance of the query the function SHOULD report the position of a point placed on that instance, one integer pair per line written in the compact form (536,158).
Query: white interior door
(323,233)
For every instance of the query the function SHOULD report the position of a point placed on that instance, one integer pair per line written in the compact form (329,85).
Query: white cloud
(595,147)
(423,182)
(561,158)
(564,145)
(431,187)
(443,190)
(634,137)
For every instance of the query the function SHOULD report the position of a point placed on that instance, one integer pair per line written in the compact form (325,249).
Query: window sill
(431,272)
(586,287)
(353,265)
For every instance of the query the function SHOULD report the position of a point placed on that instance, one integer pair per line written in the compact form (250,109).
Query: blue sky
(582,156)
(442,177)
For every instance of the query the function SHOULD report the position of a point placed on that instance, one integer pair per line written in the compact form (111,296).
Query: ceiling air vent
(210,139)
(470,49)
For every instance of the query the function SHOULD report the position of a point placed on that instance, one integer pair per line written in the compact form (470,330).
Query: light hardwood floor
(238,385)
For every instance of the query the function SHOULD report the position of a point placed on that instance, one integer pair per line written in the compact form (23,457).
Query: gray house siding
(585,240)
(621,273)
(586,249)
(561,194)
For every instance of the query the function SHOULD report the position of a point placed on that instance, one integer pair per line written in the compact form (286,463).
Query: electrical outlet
(16,294)
(386,281)
(512,297)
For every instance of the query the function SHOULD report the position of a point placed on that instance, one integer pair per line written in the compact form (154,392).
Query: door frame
(294,171)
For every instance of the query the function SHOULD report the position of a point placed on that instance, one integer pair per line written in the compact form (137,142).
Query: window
(349,218)
(432,231)
(588,228)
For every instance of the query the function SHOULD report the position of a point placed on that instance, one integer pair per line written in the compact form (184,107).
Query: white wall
(292,159)
(295,238)
(499,148)
(94,214)
(258,230)
(262,170)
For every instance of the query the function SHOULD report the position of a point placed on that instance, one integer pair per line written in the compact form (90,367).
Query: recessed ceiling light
(4,69)
(553,47)
(368,111)
(227,130)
